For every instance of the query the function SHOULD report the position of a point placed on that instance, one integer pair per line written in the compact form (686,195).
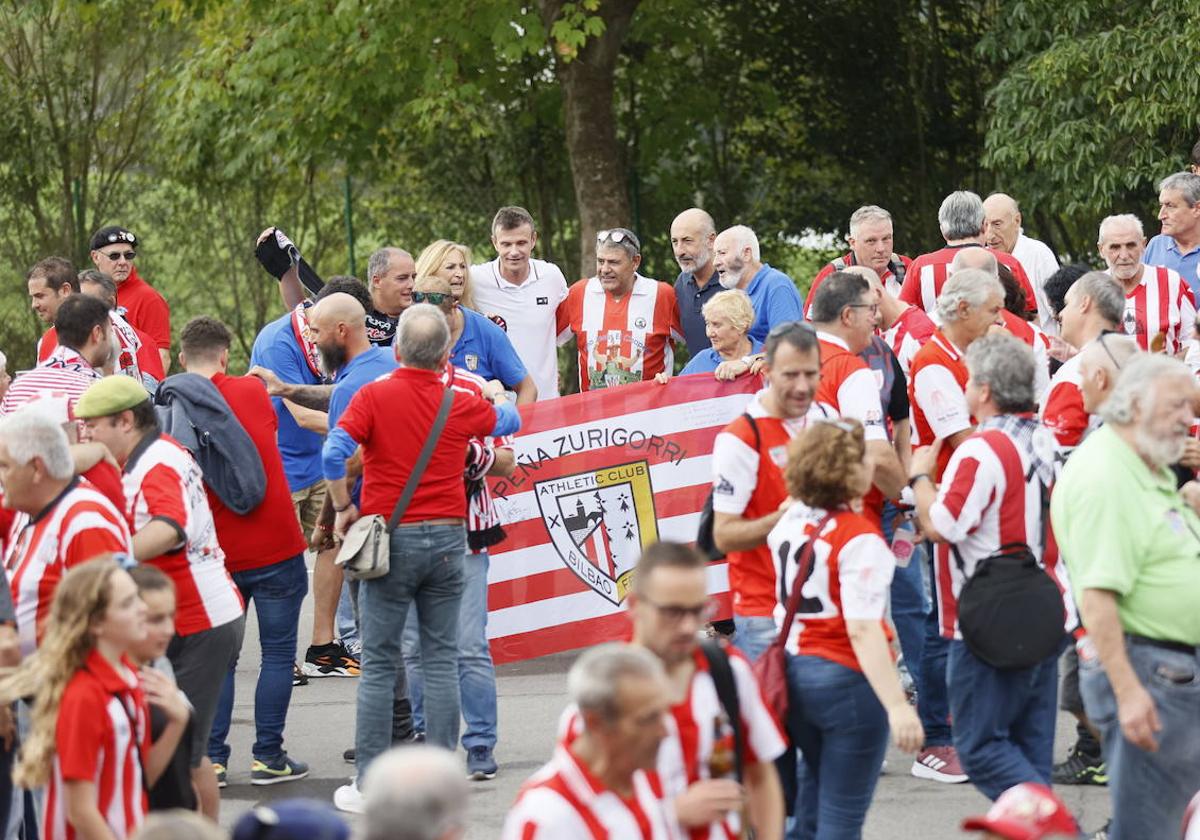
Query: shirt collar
(640,286)
(362,358)
(830,338)
(758,277)
(63,356)
(504,283)
(110,679)
(140,449)
(71,485)
(1172,245)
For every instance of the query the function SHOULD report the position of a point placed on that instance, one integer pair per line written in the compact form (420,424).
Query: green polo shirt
(1123,527)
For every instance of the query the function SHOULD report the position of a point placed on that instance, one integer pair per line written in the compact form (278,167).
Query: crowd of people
(961,471)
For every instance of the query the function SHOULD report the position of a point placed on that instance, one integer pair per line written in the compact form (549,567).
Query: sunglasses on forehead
(120,255)
(1103,346)
(617,235)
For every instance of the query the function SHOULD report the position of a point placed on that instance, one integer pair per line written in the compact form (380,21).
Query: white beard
(1162,451)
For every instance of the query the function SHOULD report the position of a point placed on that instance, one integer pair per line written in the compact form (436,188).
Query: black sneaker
(298,676)
(331,660)
(350,756)
(1080,768)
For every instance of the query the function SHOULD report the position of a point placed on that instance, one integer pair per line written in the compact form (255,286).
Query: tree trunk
(597,166)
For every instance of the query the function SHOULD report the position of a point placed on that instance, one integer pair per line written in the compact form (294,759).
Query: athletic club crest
(599,521)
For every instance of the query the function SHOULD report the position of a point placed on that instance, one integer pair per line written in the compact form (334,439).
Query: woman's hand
(906,727)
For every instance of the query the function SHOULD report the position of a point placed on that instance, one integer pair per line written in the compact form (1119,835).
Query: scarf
(304,338)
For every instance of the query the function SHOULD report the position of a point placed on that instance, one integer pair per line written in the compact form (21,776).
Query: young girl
(90,736)
(174,789)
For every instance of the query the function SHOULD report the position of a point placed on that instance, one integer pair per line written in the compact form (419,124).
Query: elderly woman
(727,319)
(478,345)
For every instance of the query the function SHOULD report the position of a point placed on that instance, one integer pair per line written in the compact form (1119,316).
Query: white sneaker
(348,798)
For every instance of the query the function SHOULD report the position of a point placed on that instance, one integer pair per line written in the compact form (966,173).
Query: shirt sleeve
(564,315)
(676,323)
(966,490)
(156,320)
(938,394)
(858,398)
(865,568)
(287,361)
(910,290)
(504,360)
(1064,415)
(89,536)
(507,420)
(735,473)
(812,290)
(79,733)
(337,448)
(162,490)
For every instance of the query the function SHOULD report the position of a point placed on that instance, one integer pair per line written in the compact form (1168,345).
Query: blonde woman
(452,262)
(727,319)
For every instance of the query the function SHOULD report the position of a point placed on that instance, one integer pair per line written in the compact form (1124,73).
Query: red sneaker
(939,764)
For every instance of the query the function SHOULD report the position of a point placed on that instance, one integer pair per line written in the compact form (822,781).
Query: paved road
(321,725)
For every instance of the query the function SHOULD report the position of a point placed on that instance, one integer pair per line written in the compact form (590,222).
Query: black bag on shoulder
(706,544)
(1010,612)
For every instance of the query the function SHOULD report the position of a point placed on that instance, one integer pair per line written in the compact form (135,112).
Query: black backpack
(1010,611)
(705,543)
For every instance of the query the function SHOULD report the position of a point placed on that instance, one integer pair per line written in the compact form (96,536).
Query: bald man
(1002,231)
(692,236)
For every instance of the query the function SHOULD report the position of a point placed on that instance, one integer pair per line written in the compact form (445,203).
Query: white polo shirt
(526,312)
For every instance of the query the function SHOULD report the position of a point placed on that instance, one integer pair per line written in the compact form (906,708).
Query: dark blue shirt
(484,350)
(691,299)
(276,348)
(775,300)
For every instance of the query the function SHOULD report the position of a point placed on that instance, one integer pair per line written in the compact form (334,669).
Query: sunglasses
(120,255)
(435,298)
(1100,338)
(618,235)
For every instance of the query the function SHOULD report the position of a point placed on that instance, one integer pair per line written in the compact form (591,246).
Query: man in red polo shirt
(113,251)
(970,304)
(962,222)
(625,325)
(264,553)
(871,243)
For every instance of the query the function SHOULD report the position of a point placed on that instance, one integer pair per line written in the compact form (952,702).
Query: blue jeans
(933,706)
(841,730)
(345,621)
(426,570)
(753,634)
(1149,790)
(277,591)
(476,674)
(1003,720)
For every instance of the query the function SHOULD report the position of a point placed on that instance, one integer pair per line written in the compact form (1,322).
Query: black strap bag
(706,544)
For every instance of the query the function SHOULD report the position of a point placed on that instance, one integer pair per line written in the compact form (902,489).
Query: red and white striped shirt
(621,341)
(136,356)
(908,335)
(565,800)
(929,272)
(481,512)
(102,736)
(76,527)
(1161,314)
(163,482)
(888,277)
(937,395)
(984,502)
(64,374)
(1062,409)
(1040,342)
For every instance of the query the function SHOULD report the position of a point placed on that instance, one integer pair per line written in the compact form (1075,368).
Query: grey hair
(840,289)
(378,262)
(961,215)
(1120,218)
(978,258)
(594,679)
(1137,384)
(415,793)
(630,244)
(744,237)
(1006,365)
(103,280)
(971,285)
(31,434)
(1187,183)
(1103,291)
(867,213)
(422,336)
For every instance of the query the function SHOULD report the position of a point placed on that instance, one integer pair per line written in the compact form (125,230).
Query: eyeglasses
(116,256)
(1103,346)
(618,235)
(435,298)
(788,326)
(874,307)
(675,613)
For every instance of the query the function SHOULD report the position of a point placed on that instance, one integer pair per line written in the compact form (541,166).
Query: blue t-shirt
(691,299)
(277,349)
(1164,250)
(775,300)
(484,350)
(706,361)
(364,368)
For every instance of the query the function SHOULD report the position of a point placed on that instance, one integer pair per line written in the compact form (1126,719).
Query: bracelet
(337,509)
(321,527)
(914,479)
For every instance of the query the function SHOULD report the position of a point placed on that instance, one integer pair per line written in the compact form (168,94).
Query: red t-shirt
(929,272)
(270,532)
(145,309)
(845,261)
(390,419)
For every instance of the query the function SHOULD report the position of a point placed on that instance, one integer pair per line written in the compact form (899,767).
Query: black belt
(1178,647)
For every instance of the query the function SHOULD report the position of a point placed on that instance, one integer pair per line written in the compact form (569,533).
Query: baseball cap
(109,396)
(111,235)
(292,819)
(1026,812)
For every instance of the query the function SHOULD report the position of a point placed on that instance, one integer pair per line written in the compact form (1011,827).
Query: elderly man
(1178,246)
(990,497)
(113,252)
(625,325)
(969,306)
(962,222)
(693,234)
(173,529)
(668,606)
(748,487)
(1002,217)
(596,785)
(1160,310)
(871,243)
(429,543)
(739,265)
(416,793)
(522,294)
(1093,306)
(1137,587)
